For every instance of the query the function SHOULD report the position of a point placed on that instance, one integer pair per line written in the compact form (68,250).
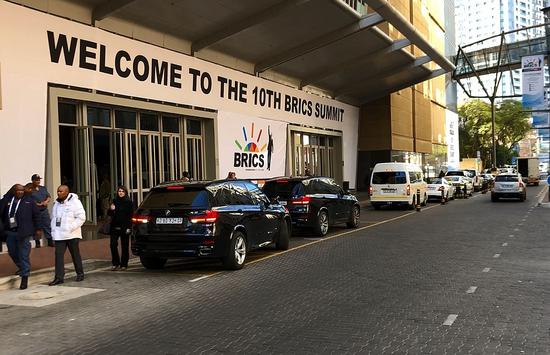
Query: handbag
(105,227)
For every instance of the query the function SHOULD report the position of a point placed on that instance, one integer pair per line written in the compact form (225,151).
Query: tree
(511,126)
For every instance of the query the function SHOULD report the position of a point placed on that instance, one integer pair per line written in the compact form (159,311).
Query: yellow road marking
(337,236)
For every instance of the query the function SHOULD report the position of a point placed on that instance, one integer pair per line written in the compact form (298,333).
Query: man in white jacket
(68,216)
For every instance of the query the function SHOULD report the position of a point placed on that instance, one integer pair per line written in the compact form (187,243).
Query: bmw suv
(220,219)
(314,202)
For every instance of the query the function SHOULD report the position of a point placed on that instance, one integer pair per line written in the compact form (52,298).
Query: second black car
(314,202)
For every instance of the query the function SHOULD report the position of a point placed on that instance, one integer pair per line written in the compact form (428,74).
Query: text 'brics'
(90,55)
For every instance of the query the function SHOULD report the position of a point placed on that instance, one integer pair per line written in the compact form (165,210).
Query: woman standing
(121,211)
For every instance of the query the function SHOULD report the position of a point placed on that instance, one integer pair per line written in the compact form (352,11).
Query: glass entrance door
(82,179)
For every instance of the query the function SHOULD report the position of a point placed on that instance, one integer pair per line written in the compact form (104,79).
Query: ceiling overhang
(324,44)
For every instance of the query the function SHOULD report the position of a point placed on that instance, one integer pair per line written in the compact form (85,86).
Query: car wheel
(494,198)
(523,197)
(354,222)
(236,253)
(376,206)
(284,237)
(321,228)
(425,202)
(411,205)
(152,263)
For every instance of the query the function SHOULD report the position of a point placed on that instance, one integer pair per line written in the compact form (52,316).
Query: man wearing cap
(42,197)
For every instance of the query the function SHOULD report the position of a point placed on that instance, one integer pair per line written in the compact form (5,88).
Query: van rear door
(391,184)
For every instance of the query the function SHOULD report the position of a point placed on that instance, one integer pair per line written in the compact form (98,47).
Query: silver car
(508,186)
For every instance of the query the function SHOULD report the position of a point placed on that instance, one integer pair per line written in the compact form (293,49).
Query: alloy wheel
(240,250)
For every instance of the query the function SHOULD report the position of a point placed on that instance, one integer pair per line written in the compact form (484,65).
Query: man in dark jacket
(20,218)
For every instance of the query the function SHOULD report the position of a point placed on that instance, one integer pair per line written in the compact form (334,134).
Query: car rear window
(506,178)
(284,189)
(389,177)
(434,181)
(188,197)
(455,173)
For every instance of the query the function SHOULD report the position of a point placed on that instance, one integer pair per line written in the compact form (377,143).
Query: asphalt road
(467,277)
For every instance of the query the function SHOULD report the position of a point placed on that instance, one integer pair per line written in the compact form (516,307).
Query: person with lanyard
(21,218)
(42,198)
(68,216)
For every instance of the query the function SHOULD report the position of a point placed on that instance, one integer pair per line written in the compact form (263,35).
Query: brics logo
(256,151)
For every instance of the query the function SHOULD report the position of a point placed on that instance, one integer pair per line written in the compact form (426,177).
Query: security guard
(42,198)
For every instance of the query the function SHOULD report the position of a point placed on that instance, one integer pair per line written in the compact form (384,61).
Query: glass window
(144,145)
(389,177)
(333,187)
(258,197)
(221,193)
(67,113)
(99,116)
(125,119)
(194,127)
(283,189)
(170,124)
(240,195)
(506,178)
(148,122)
(194,197)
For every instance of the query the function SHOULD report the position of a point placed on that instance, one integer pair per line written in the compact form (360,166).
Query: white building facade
(89,108)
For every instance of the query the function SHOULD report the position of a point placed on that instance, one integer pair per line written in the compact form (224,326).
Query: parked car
(508,186)
(436,185)
(477,179)
(220,219)
(314,202)
(397,184)
(489,180)
(459,183)
(464,173)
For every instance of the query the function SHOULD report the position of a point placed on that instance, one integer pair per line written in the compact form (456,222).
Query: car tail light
(175,188)
(371,190)
(408,190)
(282,181)
(207,217)
(305,200)
(140,219)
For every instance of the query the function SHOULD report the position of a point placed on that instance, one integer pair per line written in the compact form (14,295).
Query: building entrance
(315,154)
(102,147)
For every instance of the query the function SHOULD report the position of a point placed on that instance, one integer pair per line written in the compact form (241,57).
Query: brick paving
(386,289)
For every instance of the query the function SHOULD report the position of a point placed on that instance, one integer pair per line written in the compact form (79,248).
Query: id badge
(13,223)
(58,222)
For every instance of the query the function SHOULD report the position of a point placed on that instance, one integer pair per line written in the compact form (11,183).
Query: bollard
(465,191)
(418,200)
(442,195)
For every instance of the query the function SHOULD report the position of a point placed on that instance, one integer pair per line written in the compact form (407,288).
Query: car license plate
(282,203)
(431,187)
(169,220)
(389,191)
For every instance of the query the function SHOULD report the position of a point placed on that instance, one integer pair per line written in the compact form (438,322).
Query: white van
(397,184)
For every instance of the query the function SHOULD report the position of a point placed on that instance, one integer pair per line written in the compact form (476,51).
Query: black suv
(314,202)
(222,219)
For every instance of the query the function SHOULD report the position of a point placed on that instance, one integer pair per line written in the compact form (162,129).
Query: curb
(45,275)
